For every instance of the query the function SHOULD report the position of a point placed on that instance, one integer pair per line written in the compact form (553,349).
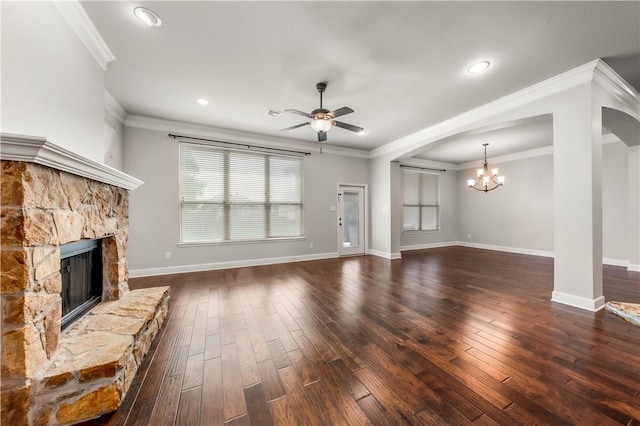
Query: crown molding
(579,75)
(34,149)
(75,15)
(523,155)
(113,107)
(197,130)
(609,80)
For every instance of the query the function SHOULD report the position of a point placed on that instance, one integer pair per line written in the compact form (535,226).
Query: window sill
(426,231)
(234,242)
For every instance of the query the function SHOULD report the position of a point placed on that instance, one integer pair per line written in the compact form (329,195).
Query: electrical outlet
(167,255)
(310,245)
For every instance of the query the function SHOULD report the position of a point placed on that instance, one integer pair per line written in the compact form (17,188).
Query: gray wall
(518,215)
(51,84)
(152,156)
(615,171)
(114,143)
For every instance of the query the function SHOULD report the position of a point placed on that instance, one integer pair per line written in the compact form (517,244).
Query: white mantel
(34,149)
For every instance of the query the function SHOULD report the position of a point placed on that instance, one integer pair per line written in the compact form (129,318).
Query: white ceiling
(400,65)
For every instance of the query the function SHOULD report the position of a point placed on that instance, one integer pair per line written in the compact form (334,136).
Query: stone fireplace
(51,197)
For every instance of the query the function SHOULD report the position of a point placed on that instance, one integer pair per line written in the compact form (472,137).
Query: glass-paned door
(351,220)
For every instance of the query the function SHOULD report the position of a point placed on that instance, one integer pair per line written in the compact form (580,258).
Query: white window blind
(231,195)
(421,201)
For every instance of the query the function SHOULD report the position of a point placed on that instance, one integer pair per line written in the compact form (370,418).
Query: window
(421,201)
(238,195)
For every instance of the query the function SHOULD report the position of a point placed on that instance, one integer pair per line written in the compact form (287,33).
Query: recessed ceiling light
(478,67)
(202,101)
(147,16)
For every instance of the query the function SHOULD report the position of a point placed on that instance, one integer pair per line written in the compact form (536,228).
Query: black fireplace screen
(81,270)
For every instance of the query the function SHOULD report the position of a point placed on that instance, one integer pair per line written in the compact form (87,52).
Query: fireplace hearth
(64,218)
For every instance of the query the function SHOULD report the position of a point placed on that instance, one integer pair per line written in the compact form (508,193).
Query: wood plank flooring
(443,336)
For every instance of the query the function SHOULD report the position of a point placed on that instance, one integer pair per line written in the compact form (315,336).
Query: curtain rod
(422,168)
(248,146)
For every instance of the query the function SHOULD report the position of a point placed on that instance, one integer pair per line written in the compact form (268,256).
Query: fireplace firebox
(81,271)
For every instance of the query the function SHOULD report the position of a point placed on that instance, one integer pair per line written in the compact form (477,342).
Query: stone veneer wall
(43,208)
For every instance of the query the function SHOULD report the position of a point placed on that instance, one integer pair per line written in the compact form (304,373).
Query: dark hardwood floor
(443,336)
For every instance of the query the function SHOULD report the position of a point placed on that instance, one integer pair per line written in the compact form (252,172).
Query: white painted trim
(168,270)
(507,249)
(34,149)
(543,253)
(615,262)
(113,107)
(556,84)
(532,153)
(75,15)
(523,155)
(593,305)
(429,245)
(633,267)
(383,254)
(605,77)
(196,130)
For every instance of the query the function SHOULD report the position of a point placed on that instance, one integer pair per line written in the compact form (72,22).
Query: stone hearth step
(629,311)
(97,358)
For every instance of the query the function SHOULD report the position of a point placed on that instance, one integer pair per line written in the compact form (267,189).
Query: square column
(577,186)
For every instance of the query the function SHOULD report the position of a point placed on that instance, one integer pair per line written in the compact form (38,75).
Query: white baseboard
(593,305)
(168,270)
(429,245)
(507,249)
(384,254)
(615,262)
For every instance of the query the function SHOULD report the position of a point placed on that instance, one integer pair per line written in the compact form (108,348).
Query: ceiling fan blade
(295,127)
(349,127)
(295,111)
(341,111)
(322,136)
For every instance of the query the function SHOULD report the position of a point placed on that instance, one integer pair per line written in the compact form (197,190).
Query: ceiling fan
(322,120)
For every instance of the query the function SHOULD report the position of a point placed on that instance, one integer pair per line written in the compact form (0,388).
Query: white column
(633,205)
(577,177)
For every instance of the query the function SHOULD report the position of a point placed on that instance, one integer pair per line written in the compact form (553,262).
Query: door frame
(365,215)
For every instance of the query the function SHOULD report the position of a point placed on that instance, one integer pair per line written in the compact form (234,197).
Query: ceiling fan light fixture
(478,67)
(362,132)
(321,125)
(147,16)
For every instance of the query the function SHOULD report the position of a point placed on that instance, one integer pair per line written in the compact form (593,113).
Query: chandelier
(486,180)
